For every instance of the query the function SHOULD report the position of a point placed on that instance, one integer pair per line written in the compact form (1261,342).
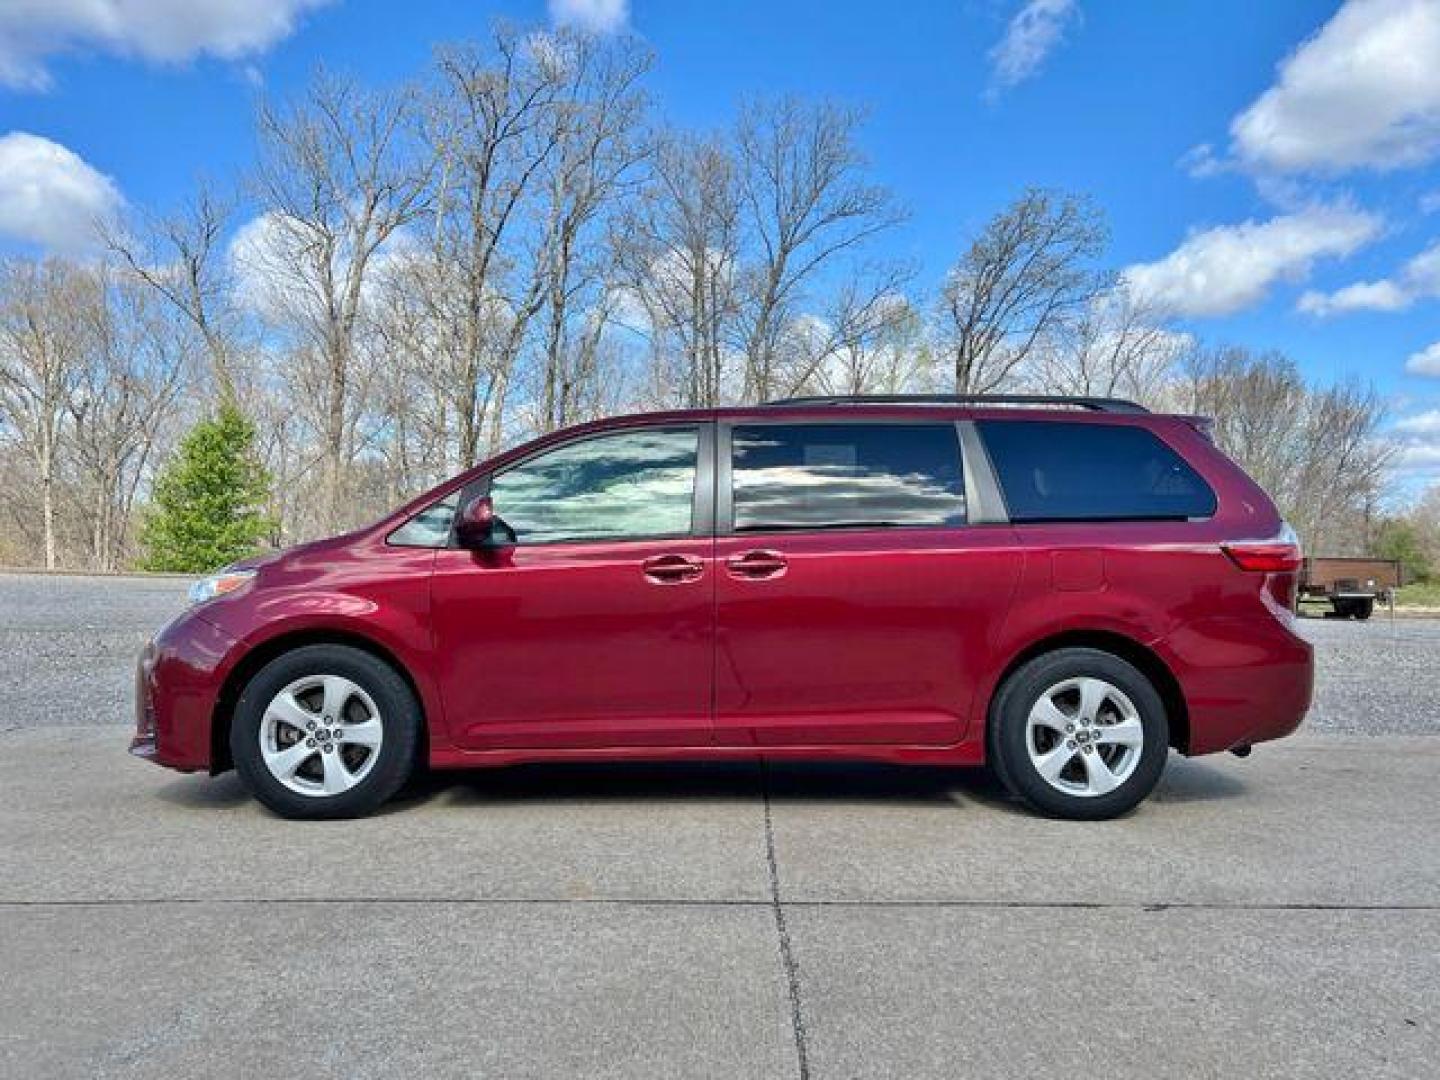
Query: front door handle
(757,565)
(672,569)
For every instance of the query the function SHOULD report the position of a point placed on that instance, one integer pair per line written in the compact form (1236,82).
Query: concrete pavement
(1273,917)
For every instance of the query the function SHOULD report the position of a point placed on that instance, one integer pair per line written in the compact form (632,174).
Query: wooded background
(413,277)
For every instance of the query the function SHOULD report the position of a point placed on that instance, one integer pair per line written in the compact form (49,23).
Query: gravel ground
(1380,677)
(68,647)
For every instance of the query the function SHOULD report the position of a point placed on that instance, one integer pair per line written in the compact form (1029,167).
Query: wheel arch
(256,658)
(1149,663)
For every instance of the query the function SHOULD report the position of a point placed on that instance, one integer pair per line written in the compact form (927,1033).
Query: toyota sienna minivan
(1064,589)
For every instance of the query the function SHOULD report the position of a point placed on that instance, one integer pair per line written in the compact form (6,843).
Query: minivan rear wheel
(325,731)
(1079,733)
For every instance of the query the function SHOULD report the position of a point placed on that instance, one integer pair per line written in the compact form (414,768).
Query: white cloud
(1032,35)
(1419,279)
(1418,457)
(1225,269)
(1425,362)
(596,16)
(1362,92)
(1383,295)
(1422,273)
(163,31)
(50,196)
(1417,442)
(1429,203)
(1426,423)
(262,255)
(274,275)
(1201,161)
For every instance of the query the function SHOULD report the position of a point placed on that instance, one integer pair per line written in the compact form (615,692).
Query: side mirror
(475,526)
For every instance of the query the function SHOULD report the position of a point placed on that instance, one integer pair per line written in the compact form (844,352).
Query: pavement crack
(1131,907)
(782,931)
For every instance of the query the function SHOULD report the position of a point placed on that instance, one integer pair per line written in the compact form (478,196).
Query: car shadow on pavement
(586,782)
(708,781)
(1185,780)
(201,792)
(881,783)
(1197,780)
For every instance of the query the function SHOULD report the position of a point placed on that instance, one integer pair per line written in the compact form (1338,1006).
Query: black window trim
(724,473)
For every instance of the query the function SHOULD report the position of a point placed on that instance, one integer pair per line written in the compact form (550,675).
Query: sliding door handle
(672,569)
(757,565)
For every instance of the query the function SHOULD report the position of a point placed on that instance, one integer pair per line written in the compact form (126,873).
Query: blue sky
(1255,159)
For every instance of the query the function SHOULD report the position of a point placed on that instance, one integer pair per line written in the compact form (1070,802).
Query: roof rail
(1094,404)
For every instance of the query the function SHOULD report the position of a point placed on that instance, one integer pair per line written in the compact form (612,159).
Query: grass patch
(1420,594)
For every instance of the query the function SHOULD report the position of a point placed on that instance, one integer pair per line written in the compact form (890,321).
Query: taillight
(1279,559)
(1270,557)
(1280,554)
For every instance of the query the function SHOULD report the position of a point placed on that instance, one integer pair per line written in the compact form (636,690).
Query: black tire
(399,715)
(1008,733)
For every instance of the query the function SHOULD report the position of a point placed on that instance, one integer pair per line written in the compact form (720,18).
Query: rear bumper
(177,683)
(1245,680)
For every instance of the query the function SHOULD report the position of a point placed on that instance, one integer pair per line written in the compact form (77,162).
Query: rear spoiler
(1205,425)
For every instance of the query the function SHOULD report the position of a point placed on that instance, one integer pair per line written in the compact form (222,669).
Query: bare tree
(125,393)
(854,327)
(1021,280)
(41,357)
(413,393)
(339,180)
(807,203)
(491,128)
(880,350)
(678,248)
(285,443)
(1114,348)
(1317,451)
(182,257)
(597,127)
(1345,464)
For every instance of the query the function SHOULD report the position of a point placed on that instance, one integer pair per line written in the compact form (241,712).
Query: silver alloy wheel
(1084,736)
(321,735)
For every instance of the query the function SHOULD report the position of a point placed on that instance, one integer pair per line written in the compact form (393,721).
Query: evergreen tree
(207,508)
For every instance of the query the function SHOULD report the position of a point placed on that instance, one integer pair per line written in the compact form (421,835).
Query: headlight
(226,581)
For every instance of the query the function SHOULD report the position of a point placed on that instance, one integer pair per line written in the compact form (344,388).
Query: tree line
(411,277)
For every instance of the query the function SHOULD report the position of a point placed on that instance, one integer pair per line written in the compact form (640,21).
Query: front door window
(628,486)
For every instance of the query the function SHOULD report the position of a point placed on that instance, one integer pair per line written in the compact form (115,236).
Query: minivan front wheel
(325,731)
(1079,733)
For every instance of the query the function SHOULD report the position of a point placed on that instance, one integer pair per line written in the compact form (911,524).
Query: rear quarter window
(1092,472)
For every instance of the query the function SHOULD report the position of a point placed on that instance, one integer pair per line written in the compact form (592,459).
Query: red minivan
(1064,588)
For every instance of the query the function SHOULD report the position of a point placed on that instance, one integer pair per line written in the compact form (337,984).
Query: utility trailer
(1352,586)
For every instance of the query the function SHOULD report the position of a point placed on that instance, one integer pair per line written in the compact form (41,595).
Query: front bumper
(177,684)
